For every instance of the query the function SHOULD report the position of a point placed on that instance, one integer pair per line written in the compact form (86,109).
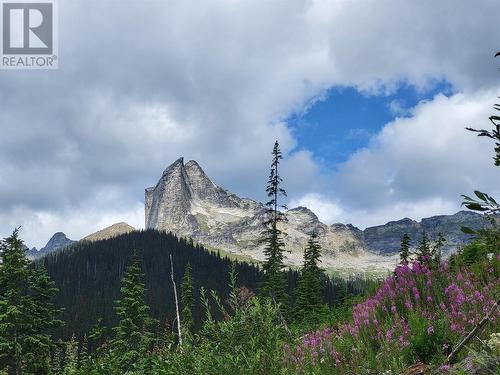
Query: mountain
(110,232)
(186,202)
(385,239)
(57,241)
(88,277)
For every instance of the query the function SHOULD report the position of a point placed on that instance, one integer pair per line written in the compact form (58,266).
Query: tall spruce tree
(71,357)
(14,304)
(437,249)
(133,335)
(404,250)
(187,298)
(274,284)
(27,314)
(424,249)
(44,318)
(309,292)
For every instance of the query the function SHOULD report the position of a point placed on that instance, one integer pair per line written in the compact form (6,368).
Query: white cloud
(144,83)
(416,166)
(326,210)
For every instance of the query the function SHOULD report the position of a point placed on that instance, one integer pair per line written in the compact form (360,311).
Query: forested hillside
(88,276)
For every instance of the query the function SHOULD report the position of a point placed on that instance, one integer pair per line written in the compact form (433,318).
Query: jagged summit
(187,202)
(185,199)
(57,241)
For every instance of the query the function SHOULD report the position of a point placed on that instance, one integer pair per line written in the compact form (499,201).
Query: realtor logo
(29,32)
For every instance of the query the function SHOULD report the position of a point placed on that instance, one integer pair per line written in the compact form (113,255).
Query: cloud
(416,166)
(142,83)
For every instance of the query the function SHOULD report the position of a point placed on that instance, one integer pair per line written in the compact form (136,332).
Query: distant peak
(59,234)
(109,232)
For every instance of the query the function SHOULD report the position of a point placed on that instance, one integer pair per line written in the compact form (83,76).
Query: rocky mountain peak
(201,186)
(110,232)
(57,241)
(187,202)
(170,199)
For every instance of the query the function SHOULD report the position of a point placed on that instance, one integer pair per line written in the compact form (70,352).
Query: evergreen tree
(274,279)
(71,357)
(309,292)
(404,251)
(424,249)
(437,249)
(187,299)
(132,334)
(14,302)
(57,365)
(27,314)
(43,319)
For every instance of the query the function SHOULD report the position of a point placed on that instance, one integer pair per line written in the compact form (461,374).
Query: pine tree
(43,319)
(309,293)
(132,334)
(14,303)
(424,249)
(404,251)
(27,314)
(437,249)
(274,280)
(187,299)
(71,357)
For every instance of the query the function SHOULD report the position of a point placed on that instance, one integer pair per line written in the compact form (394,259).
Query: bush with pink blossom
(416,315)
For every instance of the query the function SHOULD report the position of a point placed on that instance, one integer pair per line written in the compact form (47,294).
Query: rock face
(57,241)
(109,232)
(385,239)
(186,202)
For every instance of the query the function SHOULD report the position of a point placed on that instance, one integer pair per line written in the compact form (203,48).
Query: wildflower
(430,330)
(445,368)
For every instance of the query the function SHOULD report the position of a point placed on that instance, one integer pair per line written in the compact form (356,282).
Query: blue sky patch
(346,119)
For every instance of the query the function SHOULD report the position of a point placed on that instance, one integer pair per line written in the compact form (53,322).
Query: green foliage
(404,251)
(474,255)
(426,339)
(485,204)
(248,342)
(274,284)
(88,277)
(437,248)
(309,293)
(27,314)
(187,299)
(71,357)
(133,335)
(424,249)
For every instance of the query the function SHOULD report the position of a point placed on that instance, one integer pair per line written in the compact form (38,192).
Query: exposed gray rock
(386,239)
(57,241)
(186,202)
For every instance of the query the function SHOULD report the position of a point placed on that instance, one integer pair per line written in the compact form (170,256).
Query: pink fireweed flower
(445,368)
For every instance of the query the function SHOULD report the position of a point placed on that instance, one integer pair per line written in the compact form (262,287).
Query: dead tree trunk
(176,302)
(472,333)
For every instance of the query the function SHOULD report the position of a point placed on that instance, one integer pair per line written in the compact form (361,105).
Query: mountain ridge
(185,201)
